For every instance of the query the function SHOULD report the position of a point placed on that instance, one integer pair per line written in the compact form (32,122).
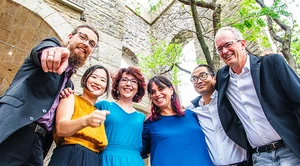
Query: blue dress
(175,141)
(124,134)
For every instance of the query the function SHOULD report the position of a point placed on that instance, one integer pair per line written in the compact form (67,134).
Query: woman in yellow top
(79,133)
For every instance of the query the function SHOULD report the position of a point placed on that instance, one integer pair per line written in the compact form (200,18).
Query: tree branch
(199,3)
(166,71)
(285,40)
(199,34)
(272,31)
(182,69)
(278,22)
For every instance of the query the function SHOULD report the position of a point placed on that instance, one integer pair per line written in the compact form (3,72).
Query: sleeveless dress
(83,147)
(124,134)
(175,141)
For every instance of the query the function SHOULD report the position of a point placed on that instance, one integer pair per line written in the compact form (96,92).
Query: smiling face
(231,50)
(96,83)
(81,49)
(128,86)
(161,95)
(207,86)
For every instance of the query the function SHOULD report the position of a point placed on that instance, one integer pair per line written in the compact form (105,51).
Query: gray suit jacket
(31,93)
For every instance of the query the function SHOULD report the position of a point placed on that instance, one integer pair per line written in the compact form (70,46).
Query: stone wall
(119,27)
(20,30)
(178,18)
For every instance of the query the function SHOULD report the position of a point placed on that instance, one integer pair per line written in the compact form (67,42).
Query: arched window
(128,58)
(188,61)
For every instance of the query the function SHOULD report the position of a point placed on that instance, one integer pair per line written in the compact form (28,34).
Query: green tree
(255,15)
(216,19)
(163,61)
(252,18)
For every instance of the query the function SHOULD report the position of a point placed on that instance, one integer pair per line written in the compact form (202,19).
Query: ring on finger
(50,55)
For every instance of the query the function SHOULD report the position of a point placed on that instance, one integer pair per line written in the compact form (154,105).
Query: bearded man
(27,108)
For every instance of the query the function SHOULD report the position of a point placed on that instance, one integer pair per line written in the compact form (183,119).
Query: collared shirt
(48,119)
(243,97)
(222,149)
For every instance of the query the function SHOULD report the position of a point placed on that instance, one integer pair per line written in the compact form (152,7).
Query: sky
(146,3)
(186,89)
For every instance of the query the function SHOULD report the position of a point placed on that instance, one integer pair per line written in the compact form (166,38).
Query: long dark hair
(162,82)
(90,71)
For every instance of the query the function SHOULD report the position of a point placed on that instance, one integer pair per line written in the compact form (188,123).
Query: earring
(118,93)
(172,97)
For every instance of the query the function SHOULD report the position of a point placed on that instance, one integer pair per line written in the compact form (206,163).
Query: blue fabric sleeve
(102,105)
(146,140)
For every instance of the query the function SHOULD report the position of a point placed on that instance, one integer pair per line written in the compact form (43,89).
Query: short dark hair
(208,67)
(86,26)
(90,71)
(137,74)
(163,82)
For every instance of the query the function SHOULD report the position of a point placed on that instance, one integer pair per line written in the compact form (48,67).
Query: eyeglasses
(84,37)
(202,76)
(125,80)
(226,45)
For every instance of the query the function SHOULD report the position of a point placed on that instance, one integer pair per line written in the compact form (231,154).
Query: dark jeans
(23,147)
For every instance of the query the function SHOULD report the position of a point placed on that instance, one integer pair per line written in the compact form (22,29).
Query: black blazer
(195,101)
(31,93)
(278,90)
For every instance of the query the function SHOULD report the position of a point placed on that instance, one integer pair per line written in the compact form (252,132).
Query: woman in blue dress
(171,135)
(124,125)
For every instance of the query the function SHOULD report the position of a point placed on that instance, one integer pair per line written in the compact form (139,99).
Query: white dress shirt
(222,149)
(244,100)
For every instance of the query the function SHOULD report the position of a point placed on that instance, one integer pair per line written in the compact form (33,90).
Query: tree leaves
(163,59)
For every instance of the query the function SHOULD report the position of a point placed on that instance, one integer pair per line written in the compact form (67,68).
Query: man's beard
(76,60)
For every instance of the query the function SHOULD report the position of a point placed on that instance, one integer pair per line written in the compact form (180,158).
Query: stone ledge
(72,5)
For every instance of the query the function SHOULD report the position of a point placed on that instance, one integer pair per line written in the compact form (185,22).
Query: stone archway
(51,16)
(187,62)
(23,26)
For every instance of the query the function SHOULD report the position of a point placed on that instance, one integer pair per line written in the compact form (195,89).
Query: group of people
(248,113)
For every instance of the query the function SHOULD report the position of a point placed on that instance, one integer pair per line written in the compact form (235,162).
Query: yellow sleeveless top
(89,137)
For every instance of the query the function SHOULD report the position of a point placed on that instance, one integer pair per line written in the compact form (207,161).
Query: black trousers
(74,155)
(23,147)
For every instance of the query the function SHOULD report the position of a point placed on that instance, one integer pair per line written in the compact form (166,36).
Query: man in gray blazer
(27,108)
(258,101)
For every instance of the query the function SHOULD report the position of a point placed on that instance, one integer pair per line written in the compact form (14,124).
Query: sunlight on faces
(161,96)
(81,49)
(129,87)
(206,86)
(230,49)
(97,83)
